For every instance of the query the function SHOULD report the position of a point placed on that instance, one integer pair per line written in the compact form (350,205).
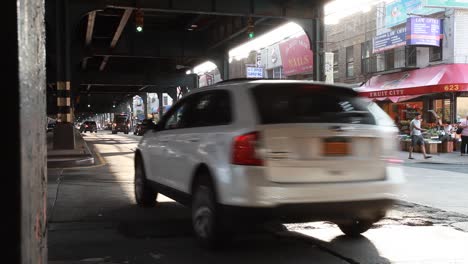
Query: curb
(436,163)
(70,162)
(80,160)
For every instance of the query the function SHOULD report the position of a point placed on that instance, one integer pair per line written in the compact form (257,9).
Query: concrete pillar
(64,137)
(172,92)
(144,97)
(315,30)
(25,208)
(222,62)
(160,104)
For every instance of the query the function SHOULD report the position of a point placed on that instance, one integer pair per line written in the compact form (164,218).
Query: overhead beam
(255,8)
(90,28)
(155,44)
(120,28)
(118,33)
(121,79)
(234,35)
(104,63)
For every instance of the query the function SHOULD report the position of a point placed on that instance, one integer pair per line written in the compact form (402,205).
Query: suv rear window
(121,119)
(299,103)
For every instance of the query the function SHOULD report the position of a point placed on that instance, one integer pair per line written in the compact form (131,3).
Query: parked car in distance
(88,126)
(121,124)
(143,126)
(51,125)
(263,150)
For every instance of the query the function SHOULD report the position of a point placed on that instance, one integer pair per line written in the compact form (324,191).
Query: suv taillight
(244,150)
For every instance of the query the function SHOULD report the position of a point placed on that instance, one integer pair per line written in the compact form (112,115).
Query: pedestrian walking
(416,136)
(464,136)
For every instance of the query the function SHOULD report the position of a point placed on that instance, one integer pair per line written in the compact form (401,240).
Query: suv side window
(178,115)
(212,108)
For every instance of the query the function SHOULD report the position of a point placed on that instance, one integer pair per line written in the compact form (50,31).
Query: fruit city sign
(399,92)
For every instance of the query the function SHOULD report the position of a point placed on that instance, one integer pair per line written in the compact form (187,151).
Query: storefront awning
(397,99)
(436,79)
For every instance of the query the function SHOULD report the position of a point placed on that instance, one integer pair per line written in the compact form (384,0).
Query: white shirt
(415,123)
(465,130)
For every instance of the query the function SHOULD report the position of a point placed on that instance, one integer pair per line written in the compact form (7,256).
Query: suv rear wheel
(145,196)
(206,220)
(356,227)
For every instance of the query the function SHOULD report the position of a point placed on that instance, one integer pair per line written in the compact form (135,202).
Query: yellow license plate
(336,147)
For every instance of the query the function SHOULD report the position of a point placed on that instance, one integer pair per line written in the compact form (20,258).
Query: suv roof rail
(254,79)
(242,79)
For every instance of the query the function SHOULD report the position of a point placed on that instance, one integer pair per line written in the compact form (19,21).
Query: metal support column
(160,105)
(144,97)
(315,28)
(64,137)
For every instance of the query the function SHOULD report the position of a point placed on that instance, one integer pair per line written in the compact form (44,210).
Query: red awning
(397,99)
(436,79)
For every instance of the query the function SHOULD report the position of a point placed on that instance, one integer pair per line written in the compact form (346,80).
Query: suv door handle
(193,139)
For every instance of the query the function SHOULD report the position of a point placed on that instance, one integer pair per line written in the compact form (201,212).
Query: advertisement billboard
(398,11)
(447,3)
(423,31)
(254,72)
(296,55)
(389,40)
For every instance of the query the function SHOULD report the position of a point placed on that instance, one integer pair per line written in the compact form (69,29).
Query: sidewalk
(80,156)
(439,158)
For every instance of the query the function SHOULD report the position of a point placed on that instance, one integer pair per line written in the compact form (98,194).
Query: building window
(410,55)
(368,62)
(389,59)
(443,108)
(435,53)
(350,62)
(277,73)
(336,67)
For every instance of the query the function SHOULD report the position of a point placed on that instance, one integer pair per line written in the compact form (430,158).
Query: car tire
(207,221)
(145,196)
(114,132)
(356,227)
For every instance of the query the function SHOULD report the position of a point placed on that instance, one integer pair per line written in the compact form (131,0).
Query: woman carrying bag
(463,130)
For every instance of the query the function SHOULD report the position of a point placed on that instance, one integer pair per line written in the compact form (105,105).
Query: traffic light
(250,28)
(139,20)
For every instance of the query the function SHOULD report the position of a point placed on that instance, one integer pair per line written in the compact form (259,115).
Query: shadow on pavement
(93,219)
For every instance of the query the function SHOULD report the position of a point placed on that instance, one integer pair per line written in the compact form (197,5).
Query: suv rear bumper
(253,190)
(336,212)
(121,129)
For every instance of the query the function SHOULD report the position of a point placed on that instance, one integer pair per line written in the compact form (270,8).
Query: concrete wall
(32,116)
(237,67)
(461,36)
(351,31)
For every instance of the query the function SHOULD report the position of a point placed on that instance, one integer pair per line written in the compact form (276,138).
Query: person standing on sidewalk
(464,136)
(416,137)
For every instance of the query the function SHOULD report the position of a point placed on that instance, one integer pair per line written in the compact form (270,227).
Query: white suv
(292,151)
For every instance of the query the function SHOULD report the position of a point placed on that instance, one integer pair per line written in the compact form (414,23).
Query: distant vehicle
(51,126)
(88,126)
(142,127)
(289,151)
(121,124)
(51,123)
